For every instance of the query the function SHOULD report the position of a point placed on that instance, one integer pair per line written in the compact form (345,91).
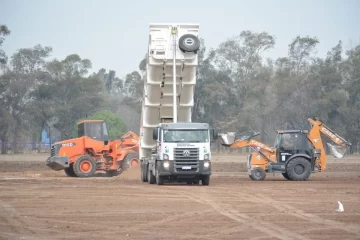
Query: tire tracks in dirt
(11,219)
(269,229)
(293,211)
(112,230)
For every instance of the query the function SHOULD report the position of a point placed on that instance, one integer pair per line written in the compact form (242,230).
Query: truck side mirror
(155,133)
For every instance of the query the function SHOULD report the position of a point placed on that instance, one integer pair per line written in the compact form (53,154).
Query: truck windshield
(186,136)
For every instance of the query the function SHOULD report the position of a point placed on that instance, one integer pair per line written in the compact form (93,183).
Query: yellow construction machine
(296,153)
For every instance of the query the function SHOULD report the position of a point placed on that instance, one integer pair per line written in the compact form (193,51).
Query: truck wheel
(144,172)
(286,176)
(258,174)
(205,180)
(298,169)
(69,171)
(189,43)
(84,166)
(159,179)
(131,159)
(151,177)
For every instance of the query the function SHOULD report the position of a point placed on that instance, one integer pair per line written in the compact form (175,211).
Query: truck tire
(129,159)
(258,174)
(151,177)
(298,169)
(70,171)
(159,179)
(205,180)
(189,43)
(286,176)
(84,166)
(144,172)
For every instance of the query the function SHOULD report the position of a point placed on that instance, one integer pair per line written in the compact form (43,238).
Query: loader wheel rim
(85,166)
(258,174)
(133,162)
(299,169)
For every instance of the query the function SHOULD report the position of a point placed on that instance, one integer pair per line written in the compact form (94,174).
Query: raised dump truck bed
(158,99)
(169,98)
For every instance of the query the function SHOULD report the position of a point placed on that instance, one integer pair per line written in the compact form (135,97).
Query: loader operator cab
(95,129)
(290,142)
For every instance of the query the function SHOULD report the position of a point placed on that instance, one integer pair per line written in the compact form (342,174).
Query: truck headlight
(206,164)
(166,164)
(166,157)
(206,157)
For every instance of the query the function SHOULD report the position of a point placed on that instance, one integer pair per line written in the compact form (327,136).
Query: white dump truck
(172,148)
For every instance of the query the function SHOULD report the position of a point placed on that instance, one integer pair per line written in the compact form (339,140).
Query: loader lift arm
(247,140)
(315,137)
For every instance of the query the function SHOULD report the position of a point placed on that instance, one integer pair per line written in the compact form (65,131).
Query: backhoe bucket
(227,139)
(337,151)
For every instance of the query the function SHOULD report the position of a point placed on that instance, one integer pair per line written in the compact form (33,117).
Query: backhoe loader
(92,150)
(296,154)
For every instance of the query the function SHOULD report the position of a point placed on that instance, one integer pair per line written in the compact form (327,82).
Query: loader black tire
(144,172)
(298,169)
(84,166)
(189,43)
(70,171)
(258,174)
(151,178)
(126,163)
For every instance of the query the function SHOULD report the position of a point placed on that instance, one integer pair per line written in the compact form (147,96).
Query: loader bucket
(226,139)
(337,151)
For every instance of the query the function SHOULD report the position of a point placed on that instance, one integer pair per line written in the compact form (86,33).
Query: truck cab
(182,153)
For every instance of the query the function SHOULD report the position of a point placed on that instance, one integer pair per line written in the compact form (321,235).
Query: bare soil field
(38,203)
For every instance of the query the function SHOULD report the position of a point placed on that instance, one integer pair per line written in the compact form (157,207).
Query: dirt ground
(38,203)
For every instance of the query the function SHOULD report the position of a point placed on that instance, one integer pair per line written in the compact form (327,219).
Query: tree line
(237,89)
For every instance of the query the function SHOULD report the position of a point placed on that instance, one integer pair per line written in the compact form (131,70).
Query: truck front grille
(186,159)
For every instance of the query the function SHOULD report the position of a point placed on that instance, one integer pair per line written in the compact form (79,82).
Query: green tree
(4,31)
(74,95)
(18,83)
(351,73)
(239,58)
(115,123)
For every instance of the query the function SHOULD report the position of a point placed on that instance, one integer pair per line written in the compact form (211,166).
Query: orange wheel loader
(92,150)
(296,154)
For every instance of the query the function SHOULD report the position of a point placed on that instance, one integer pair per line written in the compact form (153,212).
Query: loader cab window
(277,141)
(92,130)
(81,130)
(106,135)
(294,141)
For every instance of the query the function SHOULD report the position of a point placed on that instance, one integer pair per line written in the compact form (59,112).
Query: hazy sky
(113,34)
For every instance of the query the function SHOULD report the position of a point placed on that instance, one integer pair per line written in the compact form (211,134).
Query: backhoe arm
(315,138)
(252,143)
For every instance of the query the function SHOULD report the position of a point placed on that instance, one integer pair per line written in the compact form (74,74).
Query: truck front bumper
(57,162)
(184,170)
